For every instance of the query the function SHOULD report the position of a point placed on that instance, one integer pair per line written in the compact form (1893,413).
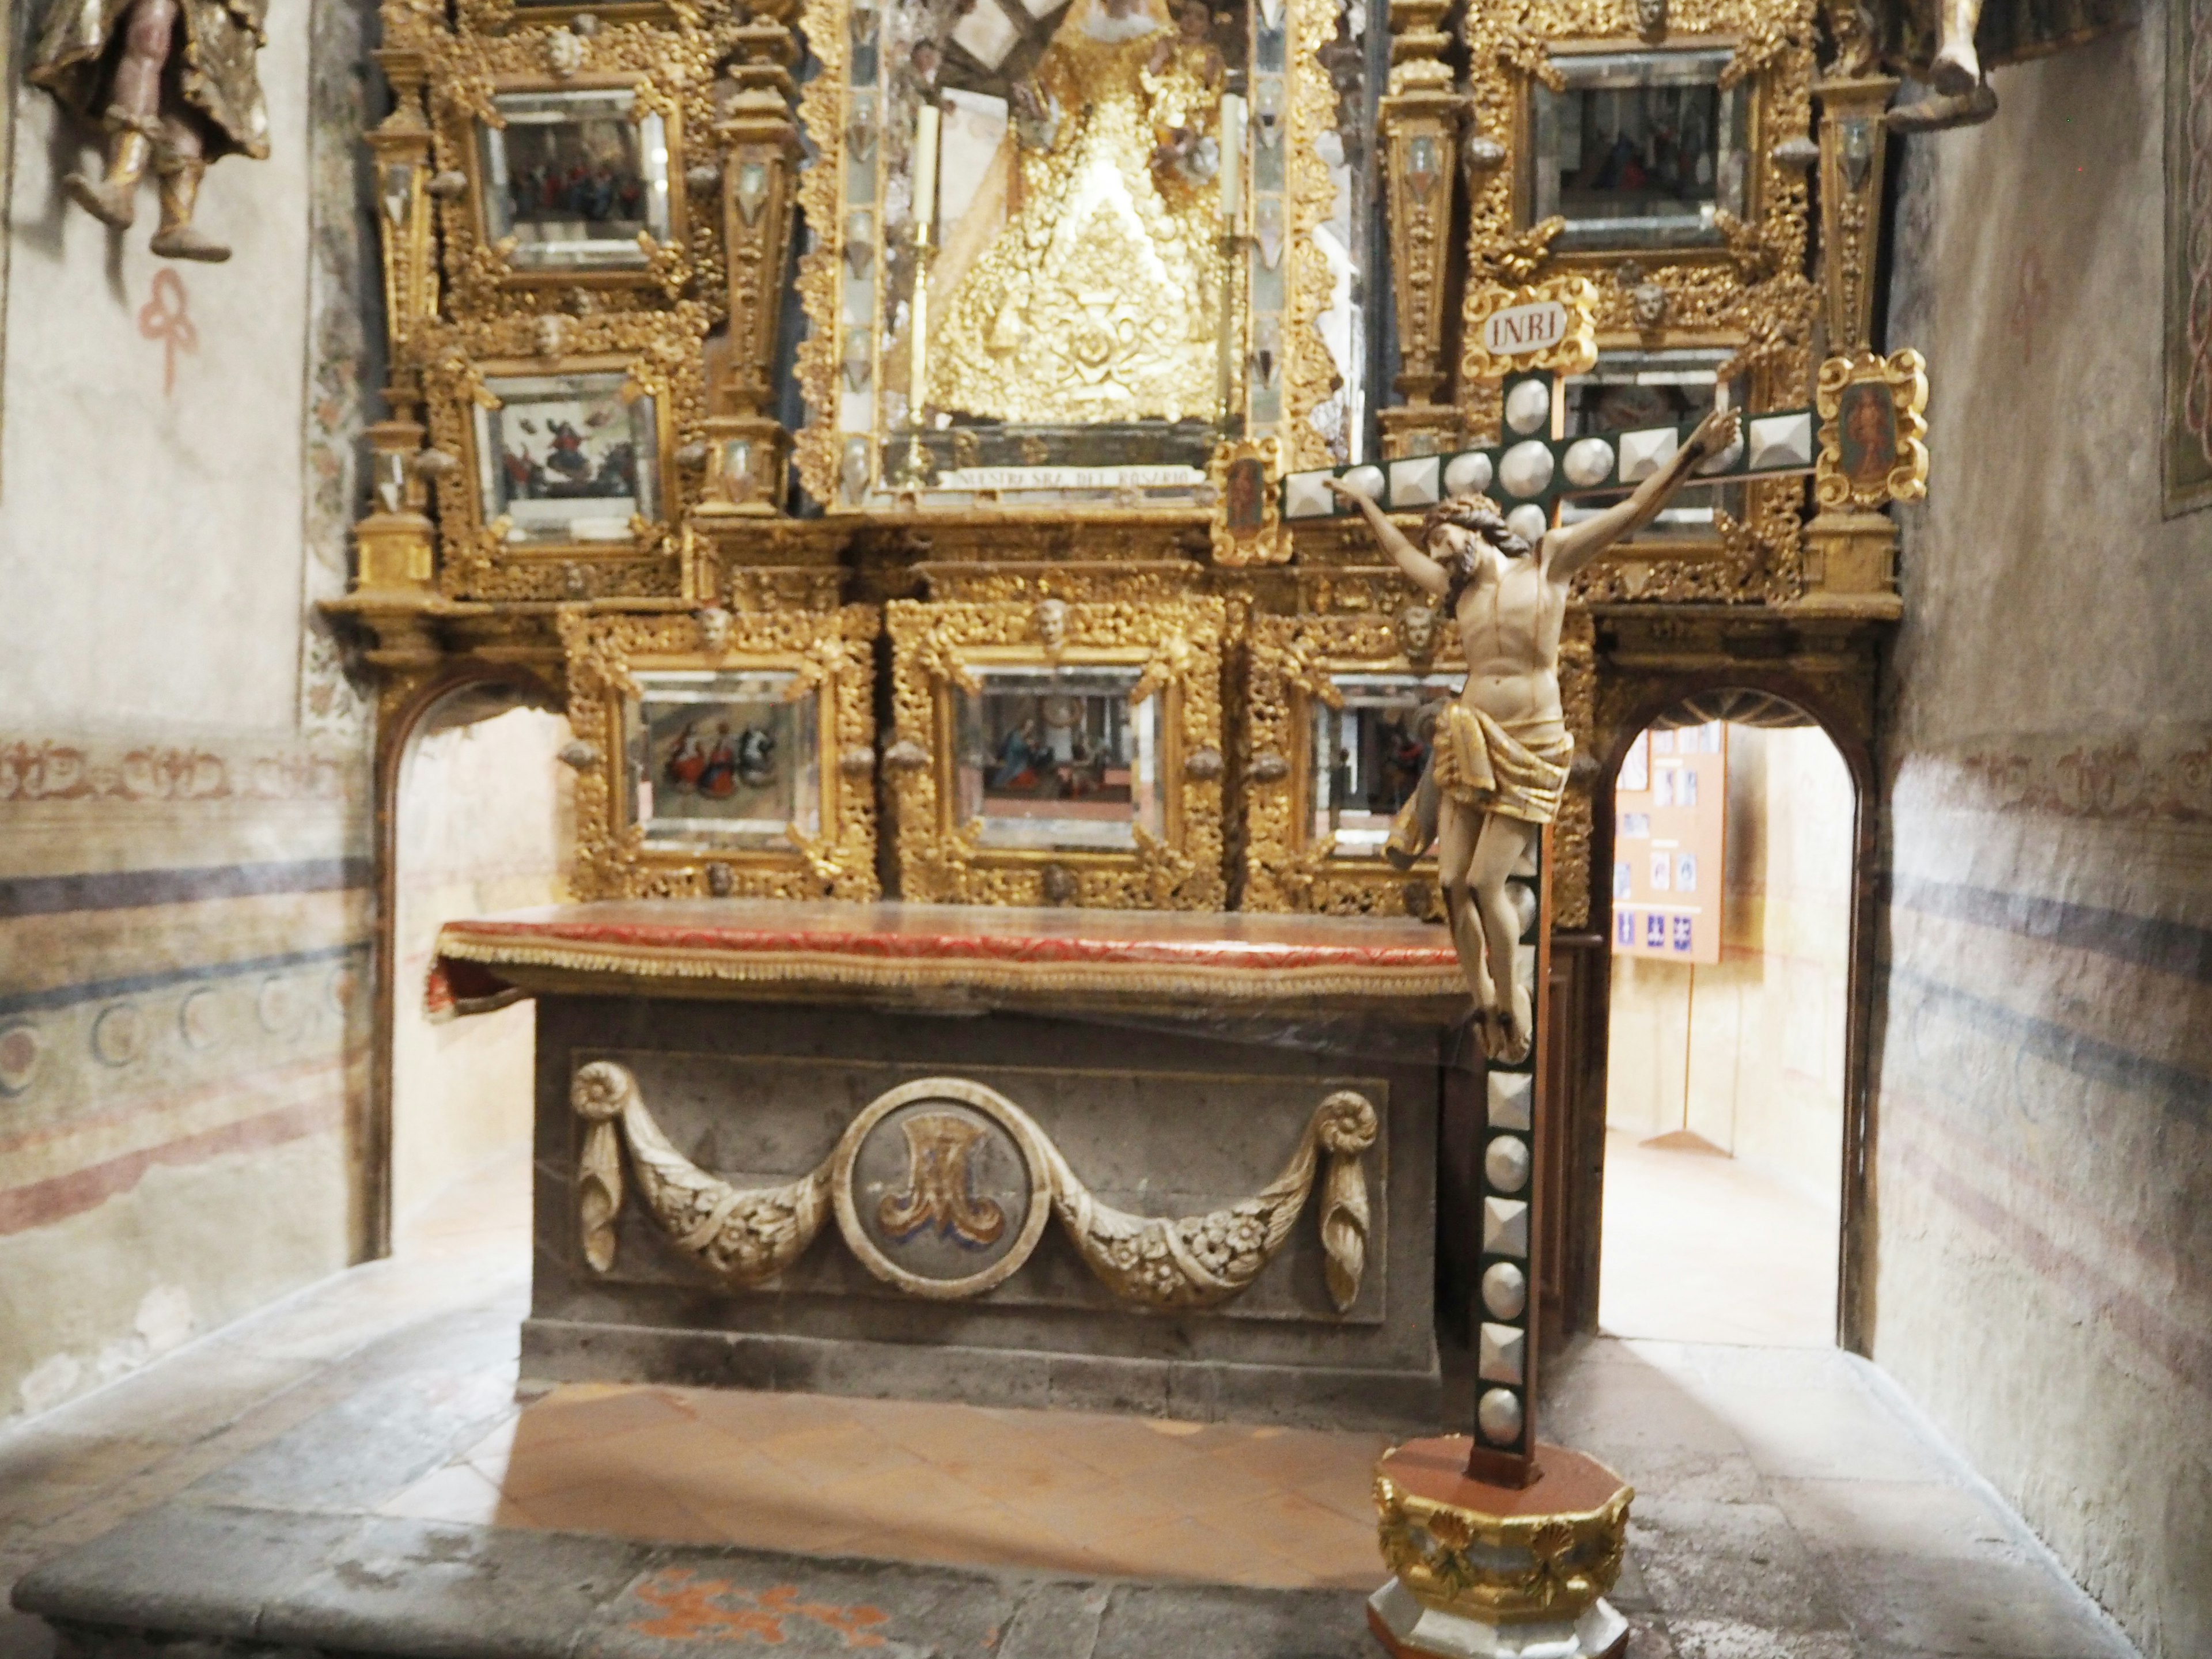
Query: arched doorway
(1732,831)
(475,813)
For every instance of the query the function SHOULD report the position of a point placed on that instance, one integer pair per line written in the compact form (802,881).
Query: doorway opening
(484,816)
(1734,836)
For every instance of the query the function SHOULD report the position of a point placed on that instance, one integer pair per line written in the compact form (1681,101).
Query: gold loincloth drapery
(1480,761)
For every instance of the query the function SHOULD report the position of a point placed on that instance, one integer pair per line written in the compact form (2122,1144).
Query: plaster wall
(2043,1174)
(487,812)
(184,862)
(1762,1078)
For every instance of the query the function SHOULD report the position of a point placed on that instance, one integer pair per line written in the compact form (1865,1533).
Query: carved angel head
(1415,627)
(549,335)
(1049,619)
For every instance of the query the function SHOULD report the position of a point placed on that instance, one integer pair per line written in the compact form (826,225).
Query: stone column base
(1407,1629)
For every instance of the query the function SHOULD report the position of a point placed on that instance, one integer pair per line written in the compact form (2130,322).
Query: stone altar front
(1174,1163)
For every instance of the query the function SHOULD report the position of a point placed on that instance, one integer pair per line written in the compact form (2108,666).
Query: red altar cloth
(827,951)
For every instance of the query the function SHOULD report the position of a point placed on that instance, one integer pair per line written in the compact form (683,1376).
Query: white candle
(1232,158)
(924,176)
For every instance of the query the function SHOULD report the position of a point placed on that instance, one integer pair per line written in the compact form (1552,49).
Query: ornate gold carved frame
(1744,291)
(827,654)
(1173,644)
(480,559)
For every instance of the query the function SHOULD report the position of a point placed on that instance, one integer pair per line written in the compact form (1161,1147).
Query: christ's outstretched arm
(1423,572)
(1571,549)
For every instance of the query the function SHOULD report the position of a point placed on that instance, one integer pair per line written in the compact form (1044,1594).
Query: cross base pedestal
(1488,1572)
(1409,1630)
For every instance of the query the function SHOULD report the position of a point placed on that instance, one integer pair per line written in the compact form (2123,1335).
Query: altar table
(1184,1164)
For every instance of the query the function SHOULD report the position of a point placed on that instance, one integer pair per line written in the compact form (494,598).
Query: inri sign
(1519,329)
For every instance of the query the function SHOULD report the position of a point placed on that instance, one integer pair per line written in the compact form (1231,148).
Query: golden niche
(1085,280)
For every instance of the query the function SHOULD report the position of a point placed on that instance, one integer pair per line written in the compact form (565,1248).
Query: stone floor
(1700,1247)
(353,1461)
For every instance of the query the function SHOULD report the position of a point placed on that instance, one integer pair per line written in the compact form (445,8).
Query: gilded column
(394,541)
(1850,550)
(1421,115)
(759,138)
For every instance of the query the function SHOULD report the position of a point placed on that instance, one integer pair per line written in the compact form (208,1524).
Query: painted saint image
(567,458)
(583,177)
(1060,749)
(1867,430)
(707,759)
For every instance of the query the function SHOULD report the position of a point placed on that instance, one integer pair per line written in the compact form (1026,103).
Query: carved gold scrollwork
(746,1235)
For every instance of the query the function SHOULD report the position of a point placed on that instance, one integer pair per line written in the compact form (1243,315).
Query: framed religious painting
(726,753)
(576,182)
(1872,424)
(1342,710)
(1059,753)
(1070,250)
(1639,149)
(566,485)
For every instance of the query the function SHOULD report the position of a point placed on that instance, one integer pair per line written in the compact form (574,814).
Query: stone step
(203,1579)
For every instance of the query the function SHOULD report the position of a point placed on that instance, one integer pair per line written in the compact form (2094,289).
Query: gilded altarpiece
(1063,255)
(1337,709)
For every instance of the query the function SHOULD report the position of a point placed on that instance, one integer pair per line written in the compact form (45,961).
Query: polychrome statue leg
(132,119)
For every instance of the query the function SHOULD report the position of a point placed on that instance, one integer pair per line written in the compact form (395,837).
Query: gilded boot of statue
(113,198)
(179,238)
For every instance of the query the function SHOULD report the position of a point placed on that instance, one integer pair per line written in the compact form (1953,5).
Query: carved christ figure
(175,83)
(1498,760)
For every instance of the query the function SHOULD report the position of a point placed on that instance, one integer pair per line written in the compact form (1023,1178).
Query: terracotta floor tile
(1023,1473)
(778,1527)
(1298,1458)
(830,1455)
(988,1533)
(616,1460)
(1104,1509)
(761,1414)
(1124,1447)
(1199,1483)
(567,1415)
(894,1495)
(631,1510)
(1347,1497)
(1188,1551)
(1324,1542)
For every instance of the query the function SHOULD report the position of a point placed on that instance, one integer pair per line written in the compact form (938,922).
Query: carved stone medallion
(940,1189)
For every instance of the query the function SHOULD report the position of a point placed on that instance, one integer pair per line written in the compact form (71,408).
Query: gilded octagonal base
(1482,1571)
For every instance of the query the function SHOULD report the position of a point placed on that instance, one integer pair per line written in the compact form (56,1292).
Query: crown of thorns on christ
(1476,513)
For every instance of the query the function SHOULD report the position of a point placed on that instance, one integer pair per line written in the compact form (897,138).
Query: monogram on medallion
(941,1186)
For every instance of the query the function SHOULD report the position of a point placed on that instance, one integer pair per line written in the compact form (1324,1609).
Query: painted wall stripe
(2183,1348)
(132,890)
(2184,1094)
(64,996)
(2172,947)
(44,1202)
